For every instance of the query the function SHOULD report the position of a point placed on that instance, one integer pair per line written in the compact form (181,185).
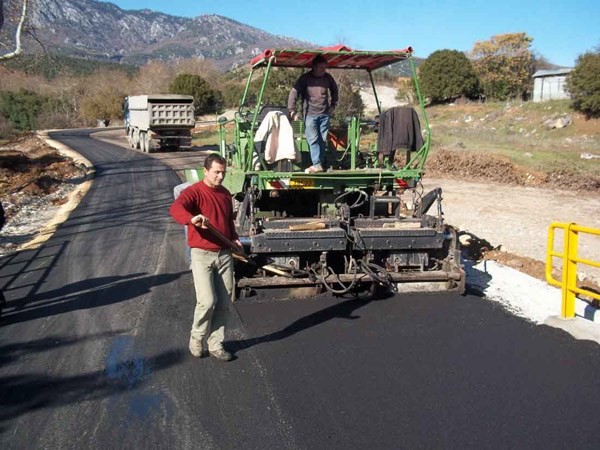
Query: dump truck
(359,226)
(159,122)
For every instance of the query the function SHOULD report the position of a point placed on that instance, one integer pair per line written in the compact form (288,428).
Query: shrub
(583,83)
(22,108)
(7,130)
(447,75)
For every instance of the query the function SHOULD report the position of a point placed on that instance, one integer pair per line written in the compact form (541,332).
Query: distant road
(93,350)
(178,161)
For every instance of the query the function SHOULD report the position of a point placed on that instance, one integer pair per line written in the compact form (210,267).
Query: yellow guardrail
(570,259)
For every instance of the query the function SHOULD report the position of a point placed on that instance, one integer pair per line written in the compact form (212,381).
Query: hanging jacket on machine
(399,127)
(277,131)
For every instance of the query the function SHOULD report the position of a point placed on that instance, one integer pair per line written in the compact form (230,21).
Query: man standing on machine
(319,94)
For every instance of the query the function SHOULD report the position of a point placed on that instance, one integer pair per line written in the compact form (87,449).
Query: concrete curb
(73,199)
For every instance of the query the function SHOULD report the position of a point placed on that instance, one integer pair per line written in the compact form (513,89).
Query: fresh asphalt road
(93,350)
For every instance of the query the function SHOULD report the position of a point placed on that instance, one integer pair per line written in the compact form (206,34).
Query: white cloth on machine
(277,131)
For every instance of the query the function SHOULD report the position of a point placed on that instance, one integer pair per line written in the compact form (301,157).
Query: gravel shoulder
(517,218)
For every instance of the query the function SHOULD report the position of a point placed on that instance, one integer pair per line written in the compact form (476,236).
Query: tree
(406,91)
(205,98)
(102,95)
(542,63)
(447,75)
(202,67)
(102,107)
(18,31)
(504,65)
(231,94)
(583,83)
(280,83)
(154,77)
(350,102)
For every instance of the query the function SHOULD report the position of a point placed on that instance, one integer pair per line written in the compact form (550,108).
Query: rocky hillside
(99,30)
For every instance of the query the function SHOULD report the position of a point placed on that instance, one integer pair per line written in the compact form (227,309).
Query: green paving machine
(359,226)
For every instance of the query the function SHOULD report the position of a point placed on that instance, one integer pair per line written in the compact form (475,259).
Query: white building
(550,85)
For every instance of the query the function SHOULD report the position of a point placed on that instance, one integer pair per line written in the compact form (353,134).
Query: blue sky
(561,29)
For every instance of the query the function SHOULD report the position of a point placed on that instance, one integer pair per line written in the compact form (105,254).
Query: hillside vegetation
(516,143)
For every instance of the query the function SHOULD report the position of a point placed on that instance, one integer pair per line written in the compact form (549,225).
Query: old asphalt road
(93,351)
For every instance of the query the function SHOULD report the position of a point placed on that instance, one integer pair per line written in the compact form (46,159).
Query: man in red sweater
(208,202)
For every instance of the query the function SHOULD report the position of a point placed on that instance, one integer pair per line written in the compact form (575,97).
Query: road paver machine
(358,226)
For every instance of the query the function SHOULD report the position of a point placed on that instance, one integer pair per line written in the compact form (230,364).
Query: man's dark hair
(214,157)
(318,60)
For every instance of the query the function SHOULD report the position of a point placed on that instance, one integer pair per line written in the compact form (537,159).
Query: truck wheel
(143,142)
(130,139)
(148,144)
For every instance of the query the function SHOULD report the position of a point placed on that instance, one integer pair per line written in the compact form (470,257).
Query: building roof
(551,73)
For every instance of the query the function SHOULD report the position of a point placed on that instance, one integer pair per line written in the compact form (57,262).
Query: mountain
(98,30)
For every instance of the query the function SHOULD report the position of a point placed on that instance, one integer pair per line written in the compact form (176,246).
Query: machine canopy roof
(338,57)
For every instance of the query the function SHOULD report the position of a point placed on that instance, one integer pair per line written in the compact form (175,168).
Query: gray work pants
(213,280)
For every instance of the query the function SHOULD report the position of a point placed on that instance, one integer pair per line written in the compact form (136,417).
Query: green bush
(447,75)
(22,108)
(583,83)
(205,98)
(25,110)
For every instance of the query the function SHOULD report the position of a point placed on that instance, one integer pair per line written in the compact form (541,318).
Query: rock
(559,123)
(589,156)
(515,263)
(465,240)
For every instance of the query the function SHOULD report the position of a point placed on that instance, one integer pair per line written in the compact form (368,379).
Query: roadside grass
(210,136)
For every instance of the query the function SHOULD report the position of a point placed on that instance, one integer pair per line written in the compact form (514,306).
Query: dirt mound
(475,166)
(572,181)
(485,167)
(29,168)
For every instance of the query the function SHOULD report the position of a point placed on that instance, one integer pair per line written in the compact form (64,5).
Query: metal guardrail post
(569,277)
(570,258)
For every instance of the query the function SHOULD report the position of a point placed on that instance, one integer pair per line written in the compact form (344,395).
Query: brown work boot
(221,355)
(197,348)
